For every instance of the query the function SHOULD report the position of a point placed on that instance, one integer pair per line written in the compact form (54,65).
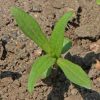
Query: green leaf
(74,73)
(30,28)
(38,68)
(47,73)
(57,36)
(67,44)
(98,2)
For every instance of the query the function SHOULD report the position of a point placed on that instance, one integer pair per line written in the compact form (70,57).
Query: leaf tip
(30,89)
(88,85)
(13,9)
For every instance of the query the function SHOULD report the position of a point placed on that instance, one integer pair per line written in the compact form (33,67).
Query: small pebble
(97,66)
(37,52)
(74,91)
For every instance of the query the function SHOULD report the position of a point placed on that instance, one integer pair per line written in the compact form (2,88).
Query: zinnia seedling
(53,48)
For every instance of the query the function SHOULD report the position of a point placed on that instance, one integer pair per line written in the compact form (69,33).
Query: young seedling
(98,2)
(53,48)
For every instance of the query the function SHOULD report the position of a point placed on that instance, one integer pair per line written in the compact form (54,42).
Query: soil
(17,52)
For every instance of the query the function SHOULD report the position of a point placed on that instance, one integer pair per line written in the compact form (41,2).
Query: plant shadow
(13,75)
(61,84)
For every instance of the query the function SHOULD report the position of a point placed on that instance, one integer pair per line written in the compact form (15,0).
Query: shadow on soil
(4,50)
(61,84)
(76,21)
(13,75)
(0,97)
